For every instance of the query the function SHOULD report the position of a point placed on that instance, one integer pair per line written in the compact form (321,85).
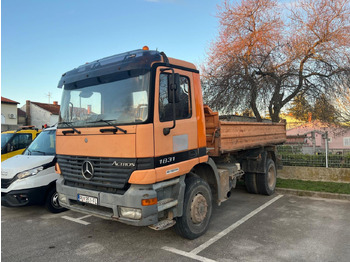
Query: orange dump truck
(135,144)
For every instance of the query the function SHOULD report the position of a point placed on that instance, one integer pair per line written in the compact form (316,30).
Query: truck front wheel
(267,182)
(197,209)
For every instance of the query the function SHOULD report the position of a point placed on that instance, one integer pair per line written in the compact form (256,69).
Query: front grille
(107,177)
(5,183)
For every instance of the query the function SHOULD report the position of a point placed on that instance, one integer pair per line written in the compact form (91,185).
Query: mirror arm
(166,130)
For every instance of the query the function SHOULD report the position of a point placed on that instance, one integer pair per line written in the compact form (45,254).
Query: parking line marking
(233,226)
(77,220)
(221,234)
(187,254)
(85,217)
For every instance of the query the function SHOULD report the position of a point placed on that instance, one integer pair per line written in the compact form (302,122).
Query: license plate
(88,199)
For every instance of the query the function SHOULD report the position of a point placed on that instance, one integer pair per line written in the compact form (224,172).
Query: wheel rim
(54,201)
(271,178)
(199,209)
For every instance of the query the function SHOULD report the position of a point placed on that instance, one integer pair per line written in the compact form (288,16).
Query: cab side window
(21,141)
(183,108)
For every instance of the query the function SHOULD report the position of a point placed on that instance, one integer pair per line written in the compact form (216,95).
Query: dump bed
(226,136)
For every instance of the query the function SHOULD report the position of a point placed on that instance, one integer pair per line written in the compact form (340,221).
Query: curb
(296,192)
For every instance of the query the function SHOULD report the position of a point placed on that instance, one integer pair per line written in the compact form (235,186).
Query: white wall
(7,109)
(40,117)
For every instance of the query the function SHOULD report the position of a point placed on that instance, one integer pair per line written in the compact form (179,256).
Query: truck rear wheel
(267,182)
(250,183)
(197,209)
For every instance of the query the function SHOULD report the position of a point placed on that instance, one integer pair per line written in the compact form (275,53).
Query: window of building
(346,141)
(183,108)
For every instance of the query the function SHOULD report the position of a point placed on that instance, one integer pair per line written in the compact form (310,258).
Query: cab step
(166,203)
(163,224)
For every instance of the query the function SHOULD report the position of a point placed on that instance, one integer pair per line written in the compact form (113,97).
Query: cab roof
(23,129)
(138,59)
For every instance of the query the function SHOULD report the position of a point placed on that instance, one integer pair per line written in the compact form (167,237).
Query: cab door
(177,152)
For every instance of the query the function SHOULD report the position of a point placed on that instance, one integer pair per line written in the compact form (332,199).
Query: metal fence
(294,155)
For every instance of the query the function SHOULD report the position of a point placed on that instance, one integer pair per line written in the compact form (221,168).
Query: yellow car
(14,142)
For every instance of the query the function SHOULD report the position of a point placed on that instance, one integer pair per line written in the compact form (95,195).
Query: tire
(51,202)
(267,182)
(197,209)
(250,183)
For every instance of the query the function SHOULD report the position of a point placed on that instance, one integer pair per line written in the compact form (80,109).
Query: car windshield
(44,144)
(119,99)
(5,138)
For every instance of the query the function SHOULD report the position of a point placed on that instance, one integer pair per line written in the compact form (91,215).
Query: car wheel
(51,202)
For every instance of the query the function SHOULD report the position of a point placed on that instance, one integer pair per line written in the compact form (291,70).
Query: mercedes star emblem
(87,170)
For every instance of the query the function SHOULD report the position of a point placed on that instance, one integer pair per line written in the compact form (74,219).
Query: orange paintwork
(203,159)
(199,111)
(143,177)
(182,63)
(144,141)
(131,145)
(184,167)
(151,176)
(57,168)
(98,144)
(164,144)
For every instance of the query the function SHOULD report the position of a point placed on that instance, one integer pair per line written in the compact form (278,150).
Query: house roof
(52,108)
(21,113)
(8,101)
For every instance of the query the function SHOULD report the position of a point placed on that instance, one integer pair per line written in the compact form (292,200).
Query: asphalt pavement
(246,227)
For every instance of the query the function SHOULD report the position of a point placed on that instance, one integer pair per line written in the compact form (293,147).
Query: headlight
(132,213)
(30,172)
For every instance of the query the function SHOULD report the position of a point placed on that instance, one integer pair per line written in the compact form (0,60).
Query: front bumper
(24,197)
(109,204)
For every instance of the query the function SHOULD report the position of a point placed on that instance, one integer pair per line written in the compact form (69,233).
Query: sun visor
(138,59)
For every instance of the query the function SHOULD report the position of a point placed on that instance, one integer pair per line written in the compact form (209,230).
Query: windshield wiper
(41,152)
(69,124)
(114,130)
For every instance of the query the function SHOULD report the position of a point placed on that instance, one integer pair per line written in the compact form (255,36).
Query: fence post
(326,143)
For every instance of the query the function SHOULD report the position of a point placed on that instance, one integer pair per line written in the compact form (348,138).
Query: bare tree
(342,101)
(262,61)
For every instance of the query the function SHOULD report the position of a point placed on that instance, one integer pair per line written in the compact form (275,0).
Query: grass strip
(330,187)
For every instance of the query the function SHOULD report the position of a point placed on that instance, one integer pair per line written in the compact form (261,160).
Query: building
(40,114)
(338,136)
(21,117)
(8,114)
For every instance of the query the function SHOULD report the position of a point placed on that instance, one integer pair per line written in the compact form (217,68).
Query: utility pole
(49,96)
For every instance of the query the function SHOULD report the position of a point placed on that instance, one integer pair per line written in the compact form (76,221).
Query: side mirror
(174,88)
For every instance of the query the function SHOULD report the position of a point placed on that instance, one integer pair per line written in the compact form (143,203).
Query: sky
(42,39)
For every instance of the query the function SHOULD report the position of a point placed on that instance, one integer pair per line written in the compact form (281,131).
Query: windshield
(5,138)
(121,98)
(44,144)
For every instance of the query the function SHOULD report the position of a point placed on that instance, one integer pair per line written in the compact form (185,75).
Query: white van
(30,178)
